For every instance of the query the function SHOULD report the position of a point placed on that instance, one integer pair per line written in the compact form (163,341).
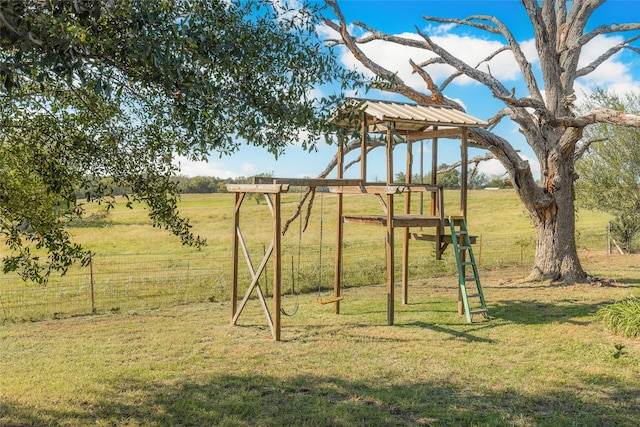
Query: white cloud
(248,168)
(614,74)
(201,168)
(493,167)
(528,47)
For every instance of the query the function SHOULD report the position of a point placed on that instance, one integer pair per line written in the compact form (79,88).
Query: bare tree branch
(608,54)
(474,161)
(584,147)
(606,29)
(600,115)
(493,121)
(457,74)
(395,84)
(489,81)
(437,96)
(499,28)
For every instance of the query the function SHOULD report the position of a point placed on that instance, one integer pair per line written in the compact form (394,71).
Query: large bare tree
(544,113)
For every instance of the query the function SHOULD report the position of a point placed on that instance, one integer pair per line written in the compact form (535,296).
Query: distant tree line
(205,184)
(184,185)
(451,179)
(212,184)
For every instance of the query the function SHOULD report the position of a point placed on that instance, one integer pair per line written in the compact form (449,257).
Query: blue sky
(621,73)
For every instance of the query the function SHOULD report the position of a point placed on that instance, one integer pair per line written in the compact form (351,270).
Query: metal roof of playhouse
(407,117)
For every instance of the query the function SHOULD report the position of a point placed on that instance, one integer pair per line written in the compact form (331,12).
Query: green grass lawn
(543,358)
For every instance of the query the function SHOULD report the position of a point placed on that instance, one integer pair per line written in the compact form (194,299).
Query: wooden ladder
(462,247)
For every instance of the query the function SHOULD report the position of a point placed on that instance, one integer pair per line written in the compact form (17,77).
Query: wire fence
(130,283)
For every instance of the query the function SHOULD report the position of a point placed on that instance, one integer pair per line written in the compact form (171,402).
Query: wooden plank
(434,169)
(337,278)
(257,188)
(234,254)
(330,300)
(277,267)
(415,221)
(304,182)
(365,219)
(398,220)
(382,204)
(422,188)
(254,283)
(435,133)
(390,176)
(405,237)
(463,175)
(363,148)
(390,263)
(368,189)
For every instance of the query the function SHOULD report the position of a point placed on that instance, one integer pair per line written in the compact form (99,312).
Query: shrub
(623,318)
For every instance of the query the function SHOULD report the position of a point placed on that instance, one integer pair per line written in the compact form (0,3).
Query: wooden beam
(390,155)
(277,266)
(337,278)
(435,133)
(363,148)
(254,283)
(239,197)
(304,182)
(464,160)
(257,188)
(390,232)
(405,240)
(369,189)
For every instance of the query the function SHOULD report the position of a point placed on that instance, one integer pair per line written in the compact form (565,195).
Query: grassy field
(543,358)
(137,267)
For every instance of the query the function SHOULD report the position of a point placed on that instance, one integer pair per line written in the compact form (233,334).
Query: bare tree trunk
(553,216)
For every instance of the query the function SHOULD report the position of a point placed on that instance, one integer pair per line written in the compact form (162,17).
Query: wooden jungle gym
(396,122)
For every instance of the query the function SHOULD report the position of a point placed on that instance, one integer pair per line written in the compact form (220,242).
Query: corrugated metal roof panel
(414,117)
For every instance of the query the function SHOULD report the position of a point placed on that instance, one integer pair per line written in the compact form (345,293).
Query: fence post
(93,300)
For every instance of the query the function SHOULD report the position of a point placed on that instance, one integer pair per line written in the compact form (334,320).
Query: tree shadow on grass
(453,332)
(258,400)
(535,312)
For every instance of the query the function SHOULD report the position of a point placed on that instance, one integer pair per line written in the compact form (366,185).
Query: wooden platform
(399,221)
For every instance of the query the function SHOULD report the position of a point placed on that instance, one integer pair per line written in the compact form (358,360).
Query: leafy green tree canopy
(92,89)
(610,168)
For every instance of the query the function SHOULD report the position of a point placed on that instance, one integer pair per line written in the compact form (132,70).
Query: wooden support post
(464,160)
(436,206)
(390,238)
(363,149)
(434,170)
(422,176)
(390,261)
(337,280)
(277,266)
(234,254)
(464,156)
(405,240)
